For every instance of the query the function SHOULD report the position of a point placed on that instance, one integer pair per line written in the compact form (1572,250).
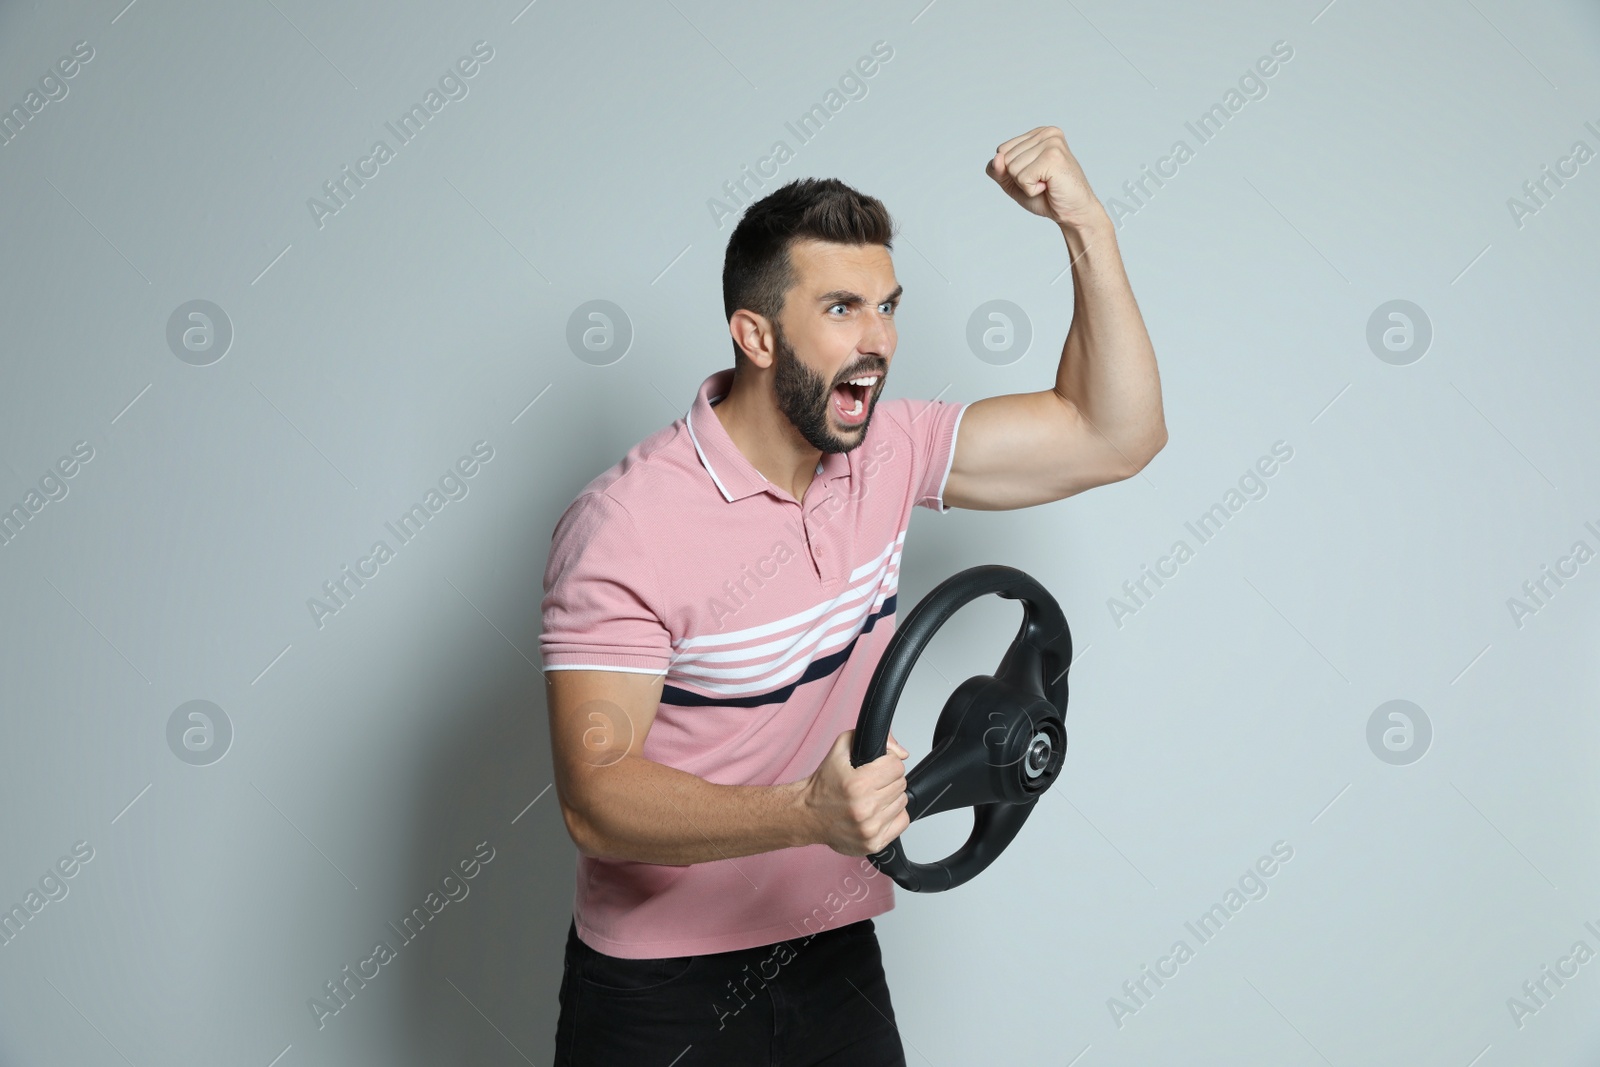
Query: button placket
(816,536)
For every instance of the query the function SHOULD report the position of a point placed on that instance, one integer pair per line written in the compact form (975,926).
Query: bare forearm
(1108,365)
(638,809)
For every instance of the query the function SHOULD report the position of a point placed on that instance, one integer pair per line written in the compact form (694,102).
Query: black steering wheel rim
(1001,738)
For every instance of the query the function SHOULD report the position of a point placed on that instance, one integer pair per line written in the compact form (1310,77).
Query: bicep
(1023,449)
(596,718)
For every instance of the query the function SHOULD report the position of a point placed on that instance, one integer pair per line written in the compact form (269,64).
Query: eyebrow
(845,296)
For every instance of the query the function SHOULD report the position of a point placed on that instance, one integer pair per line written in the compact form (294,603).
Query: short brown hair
(756,271)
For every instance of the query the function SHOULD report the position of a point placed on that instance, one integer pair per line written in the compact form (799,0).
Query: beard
(804,397)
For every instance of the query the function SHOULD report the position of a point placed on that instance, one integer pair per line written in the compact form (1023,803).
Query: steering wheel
(1000,740)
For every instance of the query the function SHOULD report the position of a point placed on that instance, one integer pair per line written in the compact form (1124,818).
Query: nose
(879,335)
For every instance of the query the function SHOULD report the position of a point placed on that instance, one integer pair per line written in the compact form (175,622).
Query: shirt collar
(735,476)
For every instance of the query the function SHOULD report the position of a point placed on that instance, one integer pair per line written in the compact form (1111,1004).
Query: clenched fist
(1038,171)
(857,811)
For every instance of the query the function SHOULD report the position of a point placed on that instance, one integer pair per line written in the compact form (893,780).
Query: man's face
(840,326)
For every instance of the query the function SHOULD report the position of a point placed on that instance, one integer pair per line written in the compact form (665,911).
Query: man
(715,605)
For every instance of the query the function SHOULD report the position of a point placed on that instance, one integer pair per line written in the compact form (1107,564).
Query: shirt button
(819,468)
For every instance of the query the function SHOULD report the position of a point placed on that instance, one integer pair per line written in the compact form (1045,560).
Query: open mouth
(850,397)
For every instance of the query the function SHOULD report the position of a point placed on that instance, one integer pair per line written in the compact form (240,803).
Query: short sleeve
(931,425)
(599,584)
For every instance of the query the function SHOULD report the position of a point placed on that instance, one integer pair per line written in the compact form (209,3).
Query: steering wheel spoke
(952,776)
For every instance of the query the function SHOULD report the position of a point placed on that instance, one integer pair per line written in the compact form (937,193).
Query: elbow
(579,830)
(1158,441)
(1140,455)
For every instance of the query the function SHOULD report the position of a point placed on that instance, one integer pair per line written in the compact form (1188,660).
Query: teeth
(869,380)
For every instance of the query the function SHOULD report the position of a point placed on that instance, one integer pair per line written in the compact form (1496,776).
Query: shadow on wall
(483,977)
(484,972)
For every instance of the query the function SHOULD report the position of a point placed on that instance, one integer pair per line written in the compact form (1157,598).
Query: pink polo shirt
(768,616)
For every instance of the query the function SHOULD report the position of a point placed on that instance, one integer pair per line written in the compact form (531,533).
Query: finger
(1019,148)
(1001,162)
(885,821)
(885,769)
(1029,170)
(1022,139)
(1004,153)
(888,773)
(1001,173)
(883,836)
(1017,181)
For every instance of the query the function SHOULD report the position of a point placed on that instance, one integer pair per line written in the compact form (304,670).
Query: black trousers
(813,1000)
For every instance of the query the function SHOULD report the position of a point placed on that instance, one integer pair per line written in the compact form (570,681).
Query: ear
(753,334)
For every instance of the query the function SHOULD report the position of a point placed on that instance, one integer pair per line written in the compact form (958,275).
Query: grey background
(431,312)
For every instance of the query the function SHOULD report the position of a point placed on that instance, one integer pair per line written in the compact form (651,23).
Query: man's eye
(888,305)
(836,306)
